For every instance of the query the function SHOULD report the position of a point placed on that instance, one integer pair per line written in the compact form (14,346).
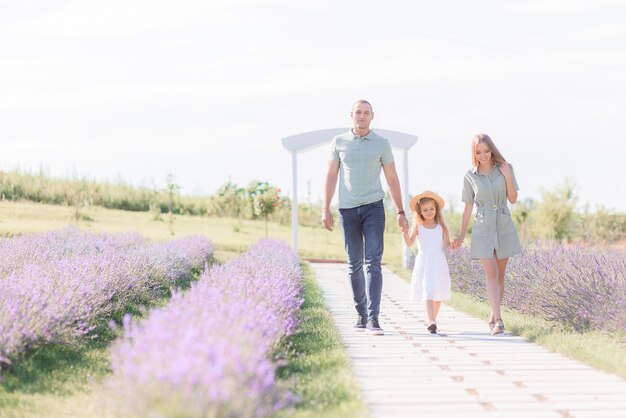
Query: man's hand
(403,223)
(327,219)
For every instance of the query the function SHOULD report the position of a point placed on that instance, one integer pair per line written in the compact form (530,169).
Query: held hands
(403,223)
(456,243)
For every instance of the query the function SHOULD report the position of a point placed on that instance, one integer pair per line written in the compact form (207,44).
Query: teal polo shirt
(360,162)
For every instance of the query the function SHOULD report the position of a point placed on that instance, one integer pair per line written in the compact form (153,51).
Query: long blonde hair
(496,155)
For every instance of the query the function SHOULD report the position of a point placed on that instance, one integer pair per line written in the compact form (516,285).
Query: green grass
(67,381)
(603,351)
(231,236)
(58,381)
(318,369)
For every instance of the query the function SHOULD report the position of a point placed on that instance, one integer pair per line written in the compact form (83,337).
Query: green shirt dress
(493,228)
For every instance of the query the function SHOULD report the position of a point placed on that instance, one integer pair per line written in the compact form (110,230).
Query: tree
(172,190)
(556,211)
(154,205)
(230,200)
(255,188)
(521,212)
(602,226)
(266,203)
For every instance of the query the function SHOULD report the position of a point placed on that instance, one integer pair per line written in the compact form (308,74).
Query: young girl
(431,277)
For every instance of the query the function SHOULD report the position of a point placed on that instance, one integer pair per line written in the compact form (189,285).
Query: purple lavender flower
(55,286)
(208,352)
(582,287)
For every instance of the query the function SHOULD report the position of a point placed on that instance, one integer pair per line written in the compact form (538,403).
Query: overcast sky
(206,89)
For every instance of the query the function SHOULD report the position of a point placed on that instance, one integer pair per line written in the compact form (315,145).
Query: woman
(488,185)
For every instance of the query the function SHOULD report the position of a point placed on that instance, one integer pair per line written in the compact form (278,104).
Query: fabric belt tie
(499,210)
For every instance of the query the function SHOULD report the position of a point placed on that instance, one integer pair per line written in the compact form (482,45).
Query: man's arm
(396,195)
(329,190)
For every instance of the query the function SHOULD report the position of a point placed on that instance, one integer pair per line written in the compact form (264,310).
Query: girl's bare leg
(430,311)
(436,306)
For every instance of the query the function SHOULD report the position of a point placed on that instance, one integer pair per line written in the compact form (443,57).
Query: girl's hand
(505,168)
(403,223)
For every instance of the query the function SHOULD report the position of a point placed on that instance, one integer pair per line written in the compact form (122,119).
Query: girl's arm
(446,238)
(410,239)
(467,212)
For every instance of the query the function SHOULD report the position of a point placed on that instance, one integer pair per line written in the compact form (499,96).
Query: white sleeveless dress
(431,277)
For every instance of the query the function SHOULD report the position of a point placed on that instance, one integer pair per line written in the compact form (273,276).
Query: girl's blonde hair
(496,155)
(419,219)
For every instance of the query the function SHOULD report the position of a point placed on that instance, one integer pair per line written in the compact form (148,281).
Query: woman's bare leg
(490,266)
(501,270)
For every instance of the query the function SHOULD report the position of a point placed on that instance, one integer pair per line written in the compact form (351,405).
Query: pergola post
(406,251)
(294,201)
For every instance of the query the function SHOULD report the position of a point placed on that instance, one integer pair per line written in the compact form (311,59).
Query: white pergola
(309,140)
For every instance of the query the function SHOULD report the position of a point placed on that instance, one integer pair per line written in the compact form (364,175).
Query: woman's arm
(467,212)
(511,192)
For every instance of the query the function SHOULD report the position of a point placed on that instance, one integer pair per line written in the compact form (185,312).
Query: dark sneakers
(432,328)
(361,322)
(373,328)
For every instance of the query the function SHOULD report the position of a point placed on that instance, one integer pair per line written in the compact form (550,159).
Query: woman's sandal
(498,327)
(432,328)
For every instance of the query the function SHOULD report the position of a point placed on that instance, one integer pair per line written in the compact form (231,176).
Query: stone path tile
(462,371)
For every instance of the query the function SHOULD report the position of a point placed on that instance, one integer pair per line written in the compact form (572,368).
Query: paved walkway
(462,371)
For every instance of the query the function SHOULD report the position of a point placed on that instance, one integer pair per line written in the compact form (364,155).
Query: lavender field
(209,351)
(583,288)
(57,287)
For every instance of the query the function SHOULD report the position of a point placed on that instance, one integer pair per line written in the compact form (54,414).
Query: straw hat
(427,193)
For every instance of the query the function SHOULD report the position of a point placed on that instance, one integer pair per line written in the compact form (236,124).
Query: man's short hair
(364,102)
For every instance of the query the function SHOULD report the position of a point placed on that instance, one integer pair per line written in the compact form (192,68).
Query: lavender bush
(208,352)
(584,287)
(55,287)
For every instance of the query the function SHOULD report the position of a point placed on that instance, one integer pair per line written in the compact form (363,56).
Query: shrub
(582,287)
(208,353)
(56,287)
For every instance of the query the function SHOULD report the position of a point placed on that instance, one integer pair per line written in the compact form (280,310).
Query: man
(357,158)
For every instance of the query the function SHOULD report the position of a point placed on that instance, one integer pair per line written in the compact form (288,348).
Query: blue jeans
(363,232)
